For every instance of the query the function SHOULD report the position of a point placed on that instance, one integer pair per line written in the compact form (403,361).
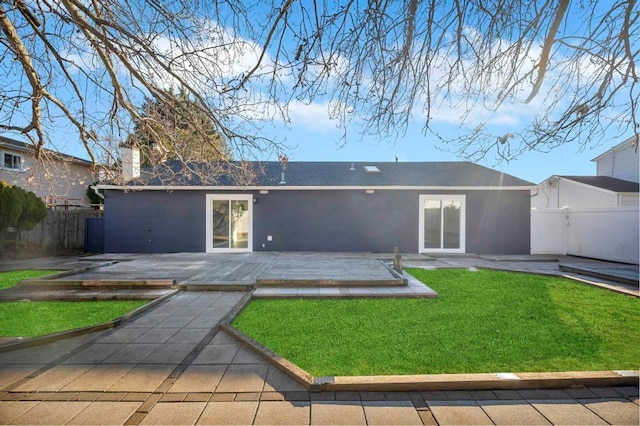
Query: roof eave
(310,188)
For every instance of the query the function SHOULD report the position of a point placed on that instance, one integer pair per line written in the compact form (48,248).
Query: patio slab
(614,411)
(566,412)
(229,413)
(283,413)
(391,412)
(504,412)
(337,413)
(186,413)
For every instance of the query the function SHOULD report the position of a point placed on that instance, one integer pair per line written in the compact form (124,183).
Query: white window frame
(209,222)
(21,157)
(463,212)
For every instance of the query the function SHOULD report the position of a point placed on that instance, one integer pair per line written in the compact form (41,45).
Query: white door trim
(463,209)
(209,222)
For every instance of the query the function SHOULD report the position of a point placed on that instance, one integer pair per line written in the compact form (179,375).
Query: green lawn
(9,279)
(28,319)
(484,321)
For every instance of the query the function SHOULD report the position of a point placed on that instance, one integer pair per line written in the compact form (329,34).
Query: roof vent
(353,166)
(372,169)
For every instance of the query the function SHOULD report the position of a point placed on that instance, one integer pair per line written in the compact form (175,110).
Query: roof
(331,174)
(28,148)
(619,147)
(606,182)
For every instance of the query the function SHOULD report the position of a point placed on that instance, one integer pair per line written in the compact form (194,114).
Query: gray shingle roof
(335,174)
(606,182)
(28,148)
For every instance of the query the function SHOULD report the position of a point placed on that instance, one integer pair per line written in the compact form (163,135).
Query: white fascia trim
(315,188)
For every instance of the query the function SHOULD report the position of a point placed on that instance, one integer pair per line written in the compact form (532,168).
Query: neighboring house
(620,162)
(59,179)
(616,183)
(438,207)
(584,191)
(591,216)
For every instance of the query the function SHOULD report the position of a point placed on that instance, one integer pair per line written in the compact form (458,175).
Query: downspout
(95,189)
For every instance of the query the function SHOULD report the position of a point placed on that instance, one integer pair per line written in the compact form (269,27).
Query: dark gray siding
(497,222)
(154,222)
(336,221)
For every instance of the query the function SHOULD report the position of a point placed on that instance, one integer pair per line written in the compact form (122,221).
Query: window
(11,161)
(442,223)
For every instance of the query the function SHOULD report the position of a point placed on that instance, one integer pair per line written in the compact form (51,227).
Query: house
(615,185)
(59,179)
(591,216)
(436,207)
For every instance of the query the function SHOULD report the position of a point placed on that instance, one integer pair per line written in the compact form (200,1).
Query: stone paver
(10,410)
(243,378)
(217,354)
(103,413)
(283,413)
(99,378)
(566,412)
(459,412)
(47,413)
(277,381)
(10,374)
(512,412)
(229,413)
(143,378)
(391,412)
(55,378)
(337,413)
(199,378)
(186,413)
(614,411)
(95,353)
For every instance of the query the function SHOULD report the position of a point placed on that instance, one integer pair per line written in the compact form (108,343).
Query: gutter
(302,188)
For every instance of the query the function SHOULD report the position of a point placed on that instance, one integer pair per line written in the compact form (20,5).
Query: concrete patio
(173,364)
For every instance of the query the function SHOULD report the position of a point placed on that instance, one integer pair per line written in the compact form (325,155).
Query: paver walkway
(172,366)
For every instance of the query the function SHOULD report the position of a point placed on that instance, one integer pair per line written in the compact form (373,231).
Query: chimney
(283,167)
(130,162)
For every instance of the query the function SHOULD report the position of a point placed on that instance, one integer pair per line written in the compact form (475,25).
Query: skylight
(372,169)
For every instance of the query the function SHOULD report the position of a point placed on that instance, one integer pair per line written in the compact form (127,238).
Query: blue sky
(309,144)
(312,136)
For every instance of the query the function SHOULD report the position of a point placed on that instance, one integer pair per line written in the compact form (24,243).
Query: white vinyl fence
(607,233)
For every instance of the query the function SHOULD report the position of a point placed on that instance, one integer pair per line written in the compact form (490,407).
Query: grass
(29,319)
(9,279)
(486,321)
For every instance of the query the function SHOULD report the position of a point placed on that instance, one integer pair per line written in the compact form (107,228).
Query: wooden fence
(61,229)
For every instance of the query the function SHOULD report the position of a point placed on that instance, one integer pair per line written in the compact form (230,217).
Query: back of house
(426,207)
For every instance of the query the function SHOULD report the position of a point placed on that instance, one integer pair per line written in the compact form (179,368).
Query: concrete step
(622,275)
(267,282)
(69,283)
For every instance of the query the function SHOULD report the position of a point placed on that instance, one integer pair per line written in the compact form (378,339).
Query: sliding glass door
(229,222)
(442,224)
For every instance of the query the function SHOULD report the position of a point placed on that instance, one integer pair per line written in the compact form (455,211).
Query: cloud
(313,116)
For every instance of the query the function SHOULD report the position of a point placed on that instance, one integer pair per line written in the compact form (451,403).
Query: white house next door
(442,224)
(229,225)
